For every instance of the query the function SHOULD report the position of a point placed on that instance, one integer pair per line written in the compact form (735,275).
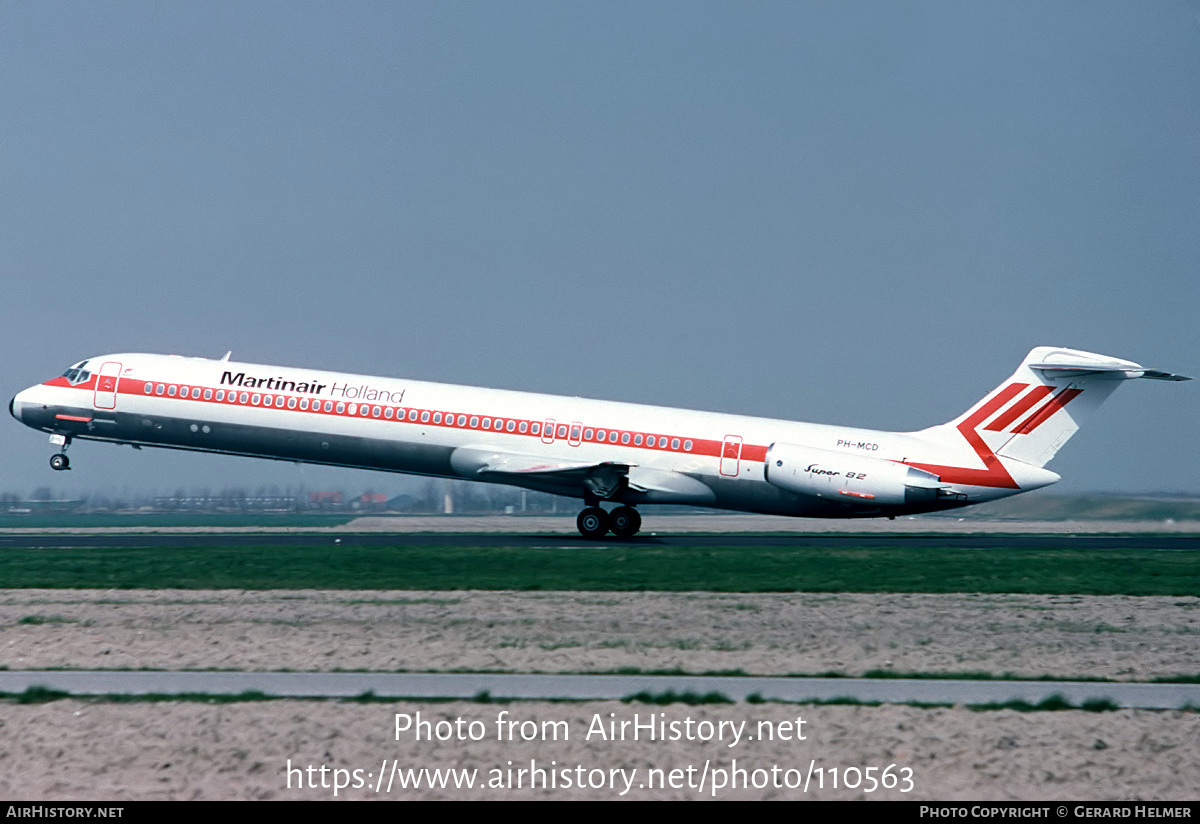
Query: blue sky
(839,212)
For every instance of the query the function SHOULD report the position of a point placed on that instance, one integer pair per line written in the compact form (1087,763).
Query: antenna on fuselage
(225,357)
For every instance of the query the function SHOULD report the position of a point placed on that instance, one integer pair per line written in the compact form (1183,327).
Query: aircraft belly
(759,496)
(357,451)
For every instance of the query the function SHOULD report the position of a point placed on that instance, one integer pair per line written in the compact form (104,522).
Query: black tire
(624,521)
(592,523)
(59,462)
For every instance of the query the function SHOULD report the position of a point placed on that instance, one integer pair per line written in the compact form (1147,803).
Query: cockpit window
(76,375)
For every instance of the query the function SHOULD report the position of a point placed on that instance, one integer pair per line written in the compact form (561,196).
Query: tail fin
(1031,415)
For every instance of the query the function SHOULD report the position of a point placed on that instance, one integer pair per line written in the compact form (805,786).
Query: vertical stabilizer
(1031,415)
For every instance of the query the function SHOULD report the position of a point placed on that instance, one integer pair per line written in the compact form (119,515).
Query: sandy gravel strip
(1119,638)
(82,750)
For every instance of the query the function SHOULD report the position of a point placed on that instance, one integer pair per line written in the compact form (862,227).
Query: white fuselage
(547,442)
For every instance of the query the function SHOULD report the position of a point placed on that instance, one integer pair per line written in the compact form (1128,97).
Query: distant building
(325,500)
(370,502)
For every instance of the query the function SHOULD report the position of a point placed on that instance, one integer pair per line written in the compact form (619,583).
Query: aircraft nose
(17,405)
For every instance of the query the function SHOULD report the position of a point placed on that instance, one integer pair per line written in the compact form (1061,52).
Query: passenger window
(674,443)
(687,446)
(625,437)
(208,394)
(171,390)
(522,427)
(637,440)
(148,388)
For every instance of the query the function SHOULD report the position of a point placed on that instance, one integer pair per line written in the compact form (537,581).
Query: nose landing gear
(60,461)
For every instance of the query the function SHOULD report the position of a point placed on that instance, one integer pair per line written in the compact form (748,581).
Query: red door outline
(731,456)
(105,396)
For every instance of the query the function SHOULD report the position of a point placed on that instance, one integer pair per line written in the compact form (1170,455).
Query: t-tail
(1004,440)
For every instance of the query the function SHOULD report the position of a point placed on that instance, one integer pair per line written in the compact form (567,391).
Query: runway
(500,686)
(187,538)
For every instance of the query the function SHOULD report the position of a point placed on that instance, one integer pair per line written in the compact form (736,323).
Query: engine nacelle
(849,478)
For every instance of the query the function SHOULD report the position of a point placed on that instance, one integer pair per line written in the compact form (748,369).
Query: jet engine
(849,478)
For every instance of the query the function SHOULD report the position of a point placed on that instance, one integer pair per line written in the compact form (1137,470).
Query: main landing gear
(594,523)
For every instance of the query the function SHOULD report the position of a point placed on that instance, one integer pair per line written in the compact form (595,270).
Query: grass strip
(798,568)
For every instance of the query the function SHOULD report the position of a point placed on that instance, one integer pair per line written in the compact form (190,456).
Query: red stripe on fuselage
(993,474)
(136,387)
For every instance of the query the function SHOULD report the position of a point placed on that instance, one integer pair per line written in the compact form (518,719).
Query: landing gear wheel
(624,521)
(592,523)
(59,462)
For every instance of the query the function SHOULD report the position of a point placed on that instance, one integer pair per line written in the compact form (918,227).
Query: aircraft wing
(603,479)
(607,480)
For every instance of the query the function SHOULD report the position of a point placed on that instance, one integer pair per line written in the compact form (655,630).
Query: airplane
(622,454)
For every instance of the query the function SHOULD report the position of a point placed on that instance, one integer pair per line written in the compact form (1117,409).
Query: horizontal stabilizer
(1155,374)
(1067,363)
